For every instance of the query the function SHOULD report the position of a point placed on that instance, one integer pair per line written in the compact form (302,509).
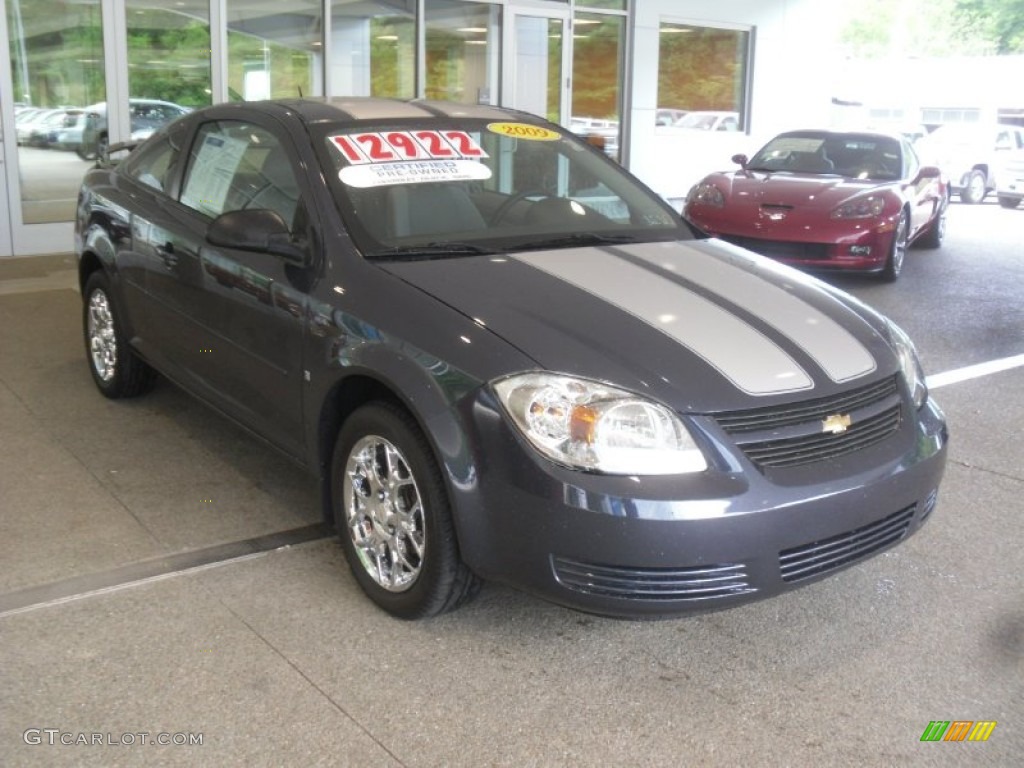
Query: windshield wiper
(577,239)
(438,250)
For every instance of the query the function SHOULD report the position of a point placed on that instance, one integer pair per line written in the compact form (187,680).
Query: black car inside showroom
(511,383)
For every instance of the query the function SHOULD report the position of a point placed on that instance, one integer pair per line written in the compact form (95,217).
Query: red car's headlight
(706,194)
(860,208)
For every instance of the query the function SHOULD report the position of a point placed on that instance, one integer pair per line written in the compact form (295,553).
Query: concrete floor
(133,599)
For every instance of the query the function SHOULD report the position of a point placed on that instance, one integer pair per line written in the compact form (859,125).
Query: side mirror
(929,172)
(740,160)
(257,230)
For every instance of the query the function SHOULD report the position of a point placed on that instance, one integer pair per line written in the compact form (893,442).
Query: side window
(235,166)
(911,163)
(151,165)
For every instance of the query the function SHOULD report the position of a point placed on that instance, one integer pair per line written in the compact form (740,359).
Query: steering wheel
(502,210)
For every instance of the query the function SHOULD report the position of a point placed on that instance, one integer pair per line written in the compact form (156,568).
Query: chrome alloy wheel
(102,336)
(384,513)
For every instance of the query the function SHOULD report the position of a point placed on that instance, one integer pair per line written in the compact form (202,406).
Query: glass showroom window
(597,79)
(611,5)
(274,49)
(56,50)
(169,52)
(702,77)
(373,49)
(463,50)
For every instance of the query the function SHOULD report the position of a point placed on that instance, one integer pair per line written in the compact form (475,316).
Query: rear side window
(235,166)
(151,165)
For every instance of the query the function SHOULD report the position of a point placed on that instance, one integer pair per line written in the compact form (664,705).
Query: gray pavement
(275,658)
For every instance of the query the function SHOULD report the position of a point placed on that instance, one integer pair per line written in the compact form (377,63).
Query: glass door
(6,244)
(51,77)
(536,69)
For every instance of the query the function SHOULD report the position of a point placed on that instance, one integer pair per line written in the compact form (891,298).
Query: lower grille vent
(697,583)
(821,557)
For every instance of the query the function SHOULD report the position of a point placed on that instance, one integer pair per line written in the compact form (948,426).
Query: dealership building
(620,71)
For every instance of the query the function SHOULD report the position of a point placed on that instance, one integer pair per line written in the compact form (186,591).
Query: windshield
(853,156)
(448,188)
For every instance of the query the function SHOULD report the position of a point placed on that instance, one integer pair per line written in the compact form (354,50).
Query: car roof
(358,109)
(837,132)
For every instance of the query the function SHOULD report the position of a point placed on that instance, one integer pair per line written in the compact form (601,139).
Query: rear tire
(1009,202)
(975,189)
(393,516)
(936,232)
(115,368)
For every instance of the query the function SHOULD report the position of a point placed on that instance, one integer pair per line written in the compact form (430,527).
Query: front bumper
(1013,187)
(862,248)
(662,546)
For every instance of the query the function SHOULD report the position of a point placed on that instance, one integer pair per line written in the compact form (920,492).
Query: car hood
(701,325)
(751,189)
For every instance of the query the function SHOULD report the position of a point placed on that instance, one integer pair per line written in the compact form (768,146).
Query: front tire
(975,189)
(114,366)
(393,516)
(1009,202)
(897,251)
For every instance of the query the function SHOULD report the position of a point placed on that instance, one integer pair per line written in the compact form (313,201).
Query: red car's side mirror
(740,160)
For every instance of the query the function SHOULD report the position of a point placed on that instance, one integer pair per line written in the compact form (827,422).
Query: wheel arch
(427,406)
(88,263)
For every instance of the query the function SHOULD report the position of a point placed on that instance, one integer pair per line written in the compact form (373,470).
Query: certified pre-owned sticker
(395,146)
(413,172)
(524,131)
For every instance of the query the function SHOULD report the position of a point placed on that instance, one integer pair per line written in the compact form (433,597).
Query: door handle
(167,255)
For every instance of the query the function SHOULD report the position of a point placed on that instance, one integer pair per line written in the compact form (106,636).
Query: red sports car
(830,200)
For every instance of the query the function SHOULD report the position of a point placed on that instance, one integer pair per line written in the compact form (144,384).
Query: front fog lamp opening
(592,426)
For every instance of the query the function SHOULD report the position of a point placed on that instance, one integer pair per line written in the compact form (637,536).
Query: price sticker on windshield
(399,146)
(524,131)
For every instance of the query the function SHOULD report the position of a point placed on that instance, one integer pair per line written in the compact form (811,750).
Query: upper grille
(794,434)
(694,583)
(821,557)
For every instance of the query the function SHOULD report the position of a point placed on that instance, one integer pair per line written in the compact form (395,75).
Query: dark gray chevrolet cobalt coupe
(504,357)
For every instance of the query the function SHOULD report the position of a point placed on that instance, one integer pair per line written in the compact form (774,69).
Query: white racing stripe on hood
(830,345)
(741,353)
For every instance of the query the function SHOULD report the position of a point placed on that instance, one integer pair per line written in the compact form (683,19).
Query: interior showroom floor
(165,574)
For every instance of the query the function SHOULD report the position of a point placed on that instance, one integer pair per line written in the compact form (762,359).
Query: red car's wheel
(897,252)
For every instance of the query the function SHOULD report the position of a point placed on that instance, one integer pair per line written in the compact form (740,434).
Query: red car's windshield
(853,156)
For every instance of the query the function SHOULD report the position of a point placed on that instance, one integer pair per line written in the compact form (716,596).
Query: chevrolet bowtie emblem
(837,423)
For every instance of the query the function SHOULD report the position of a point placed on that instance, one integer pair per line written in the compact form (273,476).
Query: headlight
(909,364)
(706,194)
(861,208)
(588,425)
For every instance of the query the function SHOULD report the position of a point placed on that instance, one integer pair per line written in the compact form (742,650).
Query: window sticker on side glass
(409,157)
(212,171)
